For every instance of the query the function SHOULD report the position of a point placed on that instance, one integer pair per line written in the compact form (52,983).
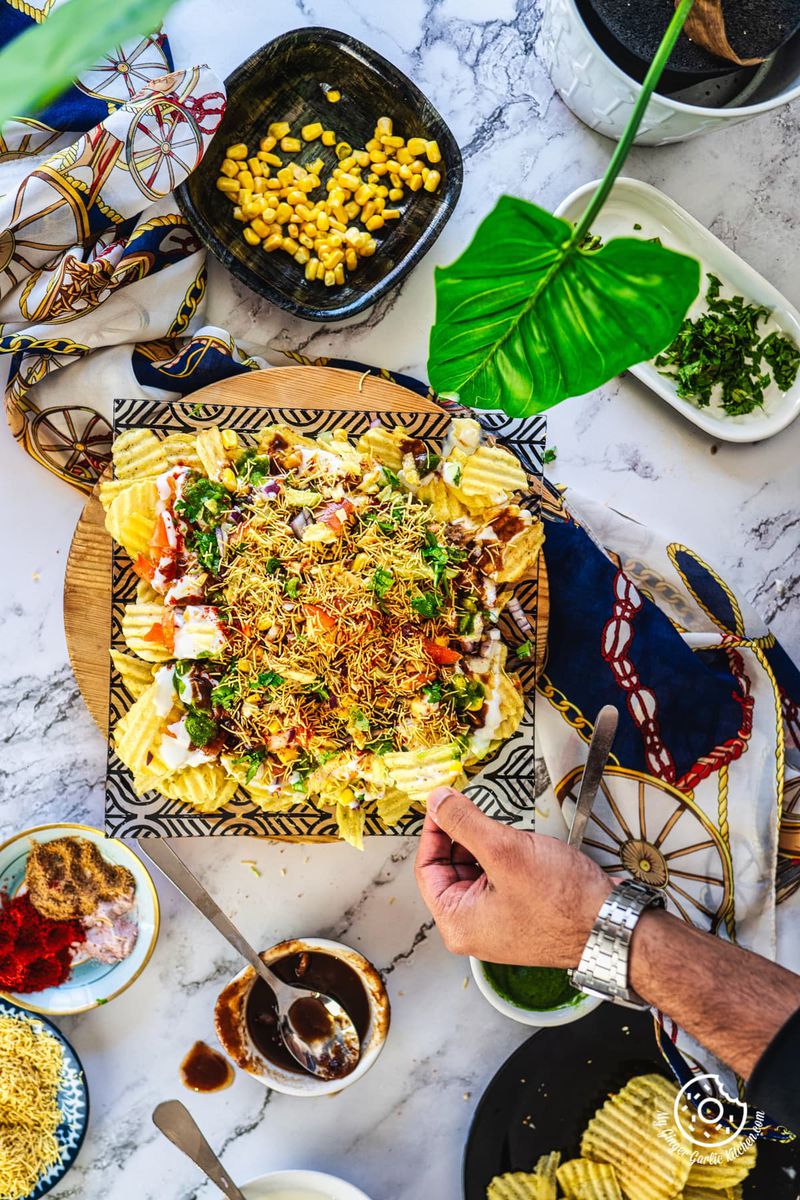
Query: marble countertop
(399,1133)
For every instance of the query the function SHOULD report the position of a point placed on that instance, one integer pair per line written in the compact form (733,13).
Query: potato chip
(384,445)
(180,449)
(109,489)
(211,452)
(136,733)
(548,1165)
(135,674)
(519,1185)
(393,806)
(418,772)
(512,706)
(206,787)
(146,593)
(138,453)
(443,500)
(623,1133)
(520,555)
(490,471)
(705,1193)
(269,798)
(582,1179)
(131,517)
(738,1159)
(463,437)
(351,824)
(137,622)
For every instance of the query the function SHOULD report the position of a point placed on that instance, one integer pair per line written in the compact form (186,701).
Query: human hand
(501,894)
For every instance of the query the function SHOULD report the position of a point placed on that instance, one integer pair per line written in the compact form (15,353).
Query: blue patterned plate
(90,982)
(73,1100)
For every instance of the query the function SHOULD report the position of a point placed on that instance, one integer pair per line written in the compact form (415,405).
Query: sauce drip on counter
(535,988)
(312,969)
(204,1070)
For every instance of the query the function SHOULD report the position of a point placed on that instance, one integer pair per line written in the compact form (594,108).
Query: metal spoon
(315,1028)
(177,1123)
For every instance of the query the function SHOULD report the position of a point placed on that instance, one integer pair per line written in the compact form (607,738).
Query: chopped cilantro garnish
(550,454)
(382,582)
(292,586)
(432,692)
(358,720)
(254,759)
(205,545)
(784,357)
(201,726)
(318,689)
(225,694)
(439,557)
(381,745)
(254,468)
(272,565)
(264,680)
(427,605)
(524,650)
(204,502)
(389,477)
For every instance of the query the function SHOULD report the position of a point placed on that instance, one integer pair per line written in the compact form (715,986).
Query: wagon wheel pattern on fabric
(75,443)
(163,144)
(125,71)
(651,831)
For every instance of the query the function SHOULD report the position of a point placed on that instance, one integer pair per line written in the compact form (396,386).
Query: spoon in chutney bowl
(315,1028)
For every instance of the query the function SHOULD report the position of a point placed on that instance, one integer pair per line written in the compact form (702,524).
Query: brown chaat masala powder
(69,877)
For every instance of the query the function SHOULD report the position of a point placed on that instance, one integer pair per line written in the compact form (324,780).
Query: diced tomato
(329,515)
(144,567)
(319,614)
(168,628)
(443,656)
(160,539)
(156,634)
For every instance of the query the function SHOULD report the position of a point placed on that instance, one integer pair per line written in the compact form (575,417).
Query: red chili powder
(35,952)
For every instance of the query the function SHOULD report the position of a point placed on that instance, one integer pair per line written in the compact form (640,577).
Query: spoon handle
(159,851)
(177,1123)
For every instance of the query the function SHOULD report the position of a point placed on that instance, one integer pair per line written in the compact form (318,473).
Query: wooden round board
(87,583)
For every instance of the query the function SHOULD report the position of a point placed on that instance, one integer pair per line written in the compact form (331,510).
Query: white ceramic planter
(603,96)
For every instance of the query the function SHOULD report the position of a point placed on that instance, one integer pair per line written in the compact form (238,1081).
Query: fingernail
(437,798)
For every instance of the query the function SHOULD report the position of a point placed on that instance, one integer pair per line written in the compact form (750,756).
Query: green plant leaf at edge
(497,322)
(42,62)
(523,321)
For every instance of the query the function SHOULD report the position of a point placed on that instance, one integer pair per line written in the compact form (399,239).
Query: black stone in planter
(630,31)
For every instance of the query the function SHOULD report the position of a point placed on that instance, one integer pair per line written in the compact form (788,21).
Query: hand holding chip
(502,894)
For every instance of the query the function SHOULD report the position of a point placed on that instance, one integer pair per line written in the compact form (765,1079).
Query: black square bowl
(287,80)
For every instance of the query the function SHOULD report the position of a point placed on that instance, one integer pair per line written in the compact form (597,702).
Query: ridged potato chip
(418,772)
(109,489)
(623,1134)
(206,787)
(146,593)
(180,449)
(519,1185)
(137,453)
(270,800)
(548,1165)
(520,555)
(384,445)
(491,470)
(393,806)
(705,1193)
(131,517)
(512,706)
(444,501)
(582,1179)
(351,824)
(135,674)
(738,1161)
(135,734)
(211,452)
(137,622)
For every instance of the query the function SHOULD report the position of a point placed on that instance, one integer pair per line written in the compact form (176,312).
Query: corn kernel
(350,258)
(433,153)
(332,96)
(335,237)
(279,129)
(329,279)
(391,214)
(432,181)
(305,240)
(351,209)
(384,127)
(415,183)
(382,191)
(295,196)
(301,255)
(260,185)
(260,227)
(273,242)
(334,258)
(403,156)
(338,274)
(418,167)
(416,146)
(289,245)
(352,235)
(378,156)
(290,145)
(269,216)
(379,168)
(310,133)
(372,144)
(375,222)
(229,168)
(286,176)
(293,229)
(246,180)
(255,167)
(268,143)
(393,165)
(283,212)
(343,149)
(316,166)
(229,438)
(238,215)
(379,203)
(231,186)
(251,237)
(237,151)
(245,196)
(274,185)
(312,267)
(368,211)
(396,181)
(243,665)
(363,194)
(351,182)
(328,138)
(405,172)
(310,229)
(369,249)
(361,157)
(394,142)
(372,178)
(323,222)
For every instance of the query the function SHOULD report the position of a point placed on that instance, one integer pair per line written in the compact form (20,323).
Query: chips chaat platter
(311,621)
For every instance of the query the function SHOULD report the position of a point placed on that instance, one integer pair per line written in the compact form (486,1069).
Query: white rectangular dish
(633,204)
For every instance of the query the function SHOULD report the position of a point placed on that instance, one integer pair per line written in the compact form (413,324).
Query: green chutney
(535,988)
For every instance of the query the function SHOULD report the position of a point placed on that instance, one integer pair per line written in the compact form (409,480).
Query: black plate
(544,1095)
(287,80)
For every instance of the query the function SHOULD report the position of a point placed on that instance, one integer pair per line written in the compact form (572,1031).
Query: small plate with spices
(246,1014)
(79,918)
(734,368)
(330,177)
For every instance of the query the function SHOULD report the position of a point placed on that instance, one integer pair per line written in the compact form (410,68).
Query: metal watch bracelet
(604,965)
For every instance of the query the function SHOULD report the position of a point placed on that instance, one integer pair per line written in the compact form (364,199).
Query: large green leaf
(44,60)
(526,318)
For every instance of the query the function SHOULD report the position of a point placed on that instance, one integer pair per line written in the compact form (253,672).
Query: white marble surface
(399,1133)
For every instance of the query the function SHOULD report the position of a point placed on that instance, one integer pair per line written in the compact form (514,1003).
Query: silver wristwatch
(603,969)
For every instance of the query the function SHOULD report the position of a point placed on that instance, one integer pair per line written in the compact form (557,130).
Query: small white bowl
(311,1183)
(231,1027)
(541,1018)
